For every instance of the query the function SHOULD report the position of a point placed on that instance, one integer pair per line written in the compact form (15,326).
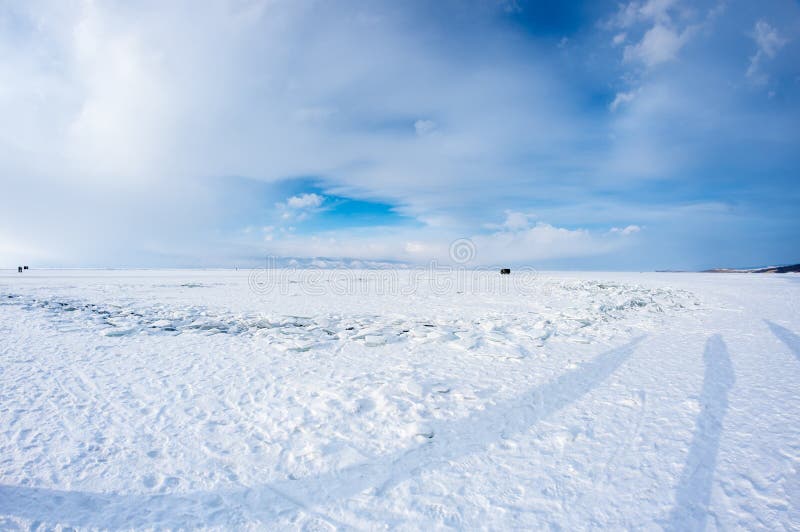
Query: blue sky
(651,134)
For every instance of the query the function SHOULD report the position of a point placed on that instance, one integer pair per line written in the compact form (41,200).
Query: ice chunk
(414,388)
(118,331)
(373,340)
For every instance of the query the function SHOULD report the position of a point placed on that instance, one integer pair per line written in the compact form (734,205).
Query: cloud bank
(152,134)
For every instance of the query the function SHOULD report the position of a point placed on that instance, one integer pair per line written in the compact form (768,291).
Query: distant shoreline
(768,269)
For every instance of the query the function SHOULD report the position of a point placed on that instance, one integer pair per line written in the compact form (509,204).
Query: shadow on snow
(786,336)
(694,488)
(451,441)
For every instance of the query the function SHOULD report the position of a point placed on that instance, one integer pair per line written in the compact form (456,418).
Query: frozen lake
(401,399)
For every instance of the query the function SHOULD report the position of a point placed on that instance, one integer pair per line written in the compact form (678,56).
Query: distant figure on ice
(19,269)
(505,271)
(24,267)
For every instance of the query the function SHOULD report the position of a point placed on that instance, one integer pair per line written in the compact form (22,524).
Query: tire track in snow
(450,441)
(694,489)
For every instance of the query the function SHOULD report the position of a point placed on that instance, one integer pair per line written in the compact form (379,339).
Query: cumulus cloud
(300,207)
(514,243)
(518,239)
(305,201)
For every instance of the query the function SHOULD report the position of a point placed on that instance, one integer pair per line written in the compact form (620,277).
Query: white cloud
(659,45)
(666,29)
(424,127)
(622,98)
(625,231)
(542,242)
(120,117)
(632,13)
(300,207)
(305,201)
(117,103)
(516,240)
(627,15)
(517,220)
(768,43)
(767,38)
(514,221)
(657,10)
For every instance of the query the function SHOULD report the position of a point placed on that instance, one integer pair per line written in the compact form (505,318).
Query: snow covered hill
(368,399)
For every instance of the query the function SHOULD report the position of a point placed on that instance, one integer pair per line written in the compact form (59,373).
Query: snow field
(184,399)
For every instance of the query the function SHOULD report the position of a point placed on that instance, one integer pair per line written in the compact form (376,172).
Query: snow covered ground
(400,399)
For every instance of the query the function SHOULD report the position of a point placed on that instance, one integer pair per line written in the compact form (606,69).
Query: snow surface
(202,399)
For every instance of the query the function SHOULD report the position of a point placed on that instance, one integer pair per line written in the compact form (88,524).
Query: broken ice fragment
(373,340)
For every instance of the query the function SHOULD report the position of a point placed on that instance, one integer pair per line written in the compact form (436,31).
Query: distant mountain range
(768,269)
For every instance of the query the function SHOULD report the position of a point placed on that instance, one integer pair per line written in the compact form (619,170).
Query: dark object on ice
(19,269)
(24,267)
(505,271)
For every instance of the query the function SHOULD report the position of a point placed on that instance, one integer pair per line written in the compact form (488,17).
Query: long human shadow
(694,489)
(786,336)
(449,441)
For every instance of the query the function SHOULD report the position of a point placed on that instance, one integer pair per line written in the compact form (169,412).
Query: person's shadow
(786,336)
(450,441)
(694,488)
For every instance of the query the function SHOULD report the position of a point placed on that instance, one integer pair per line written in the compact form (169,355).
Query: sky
(651,134)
